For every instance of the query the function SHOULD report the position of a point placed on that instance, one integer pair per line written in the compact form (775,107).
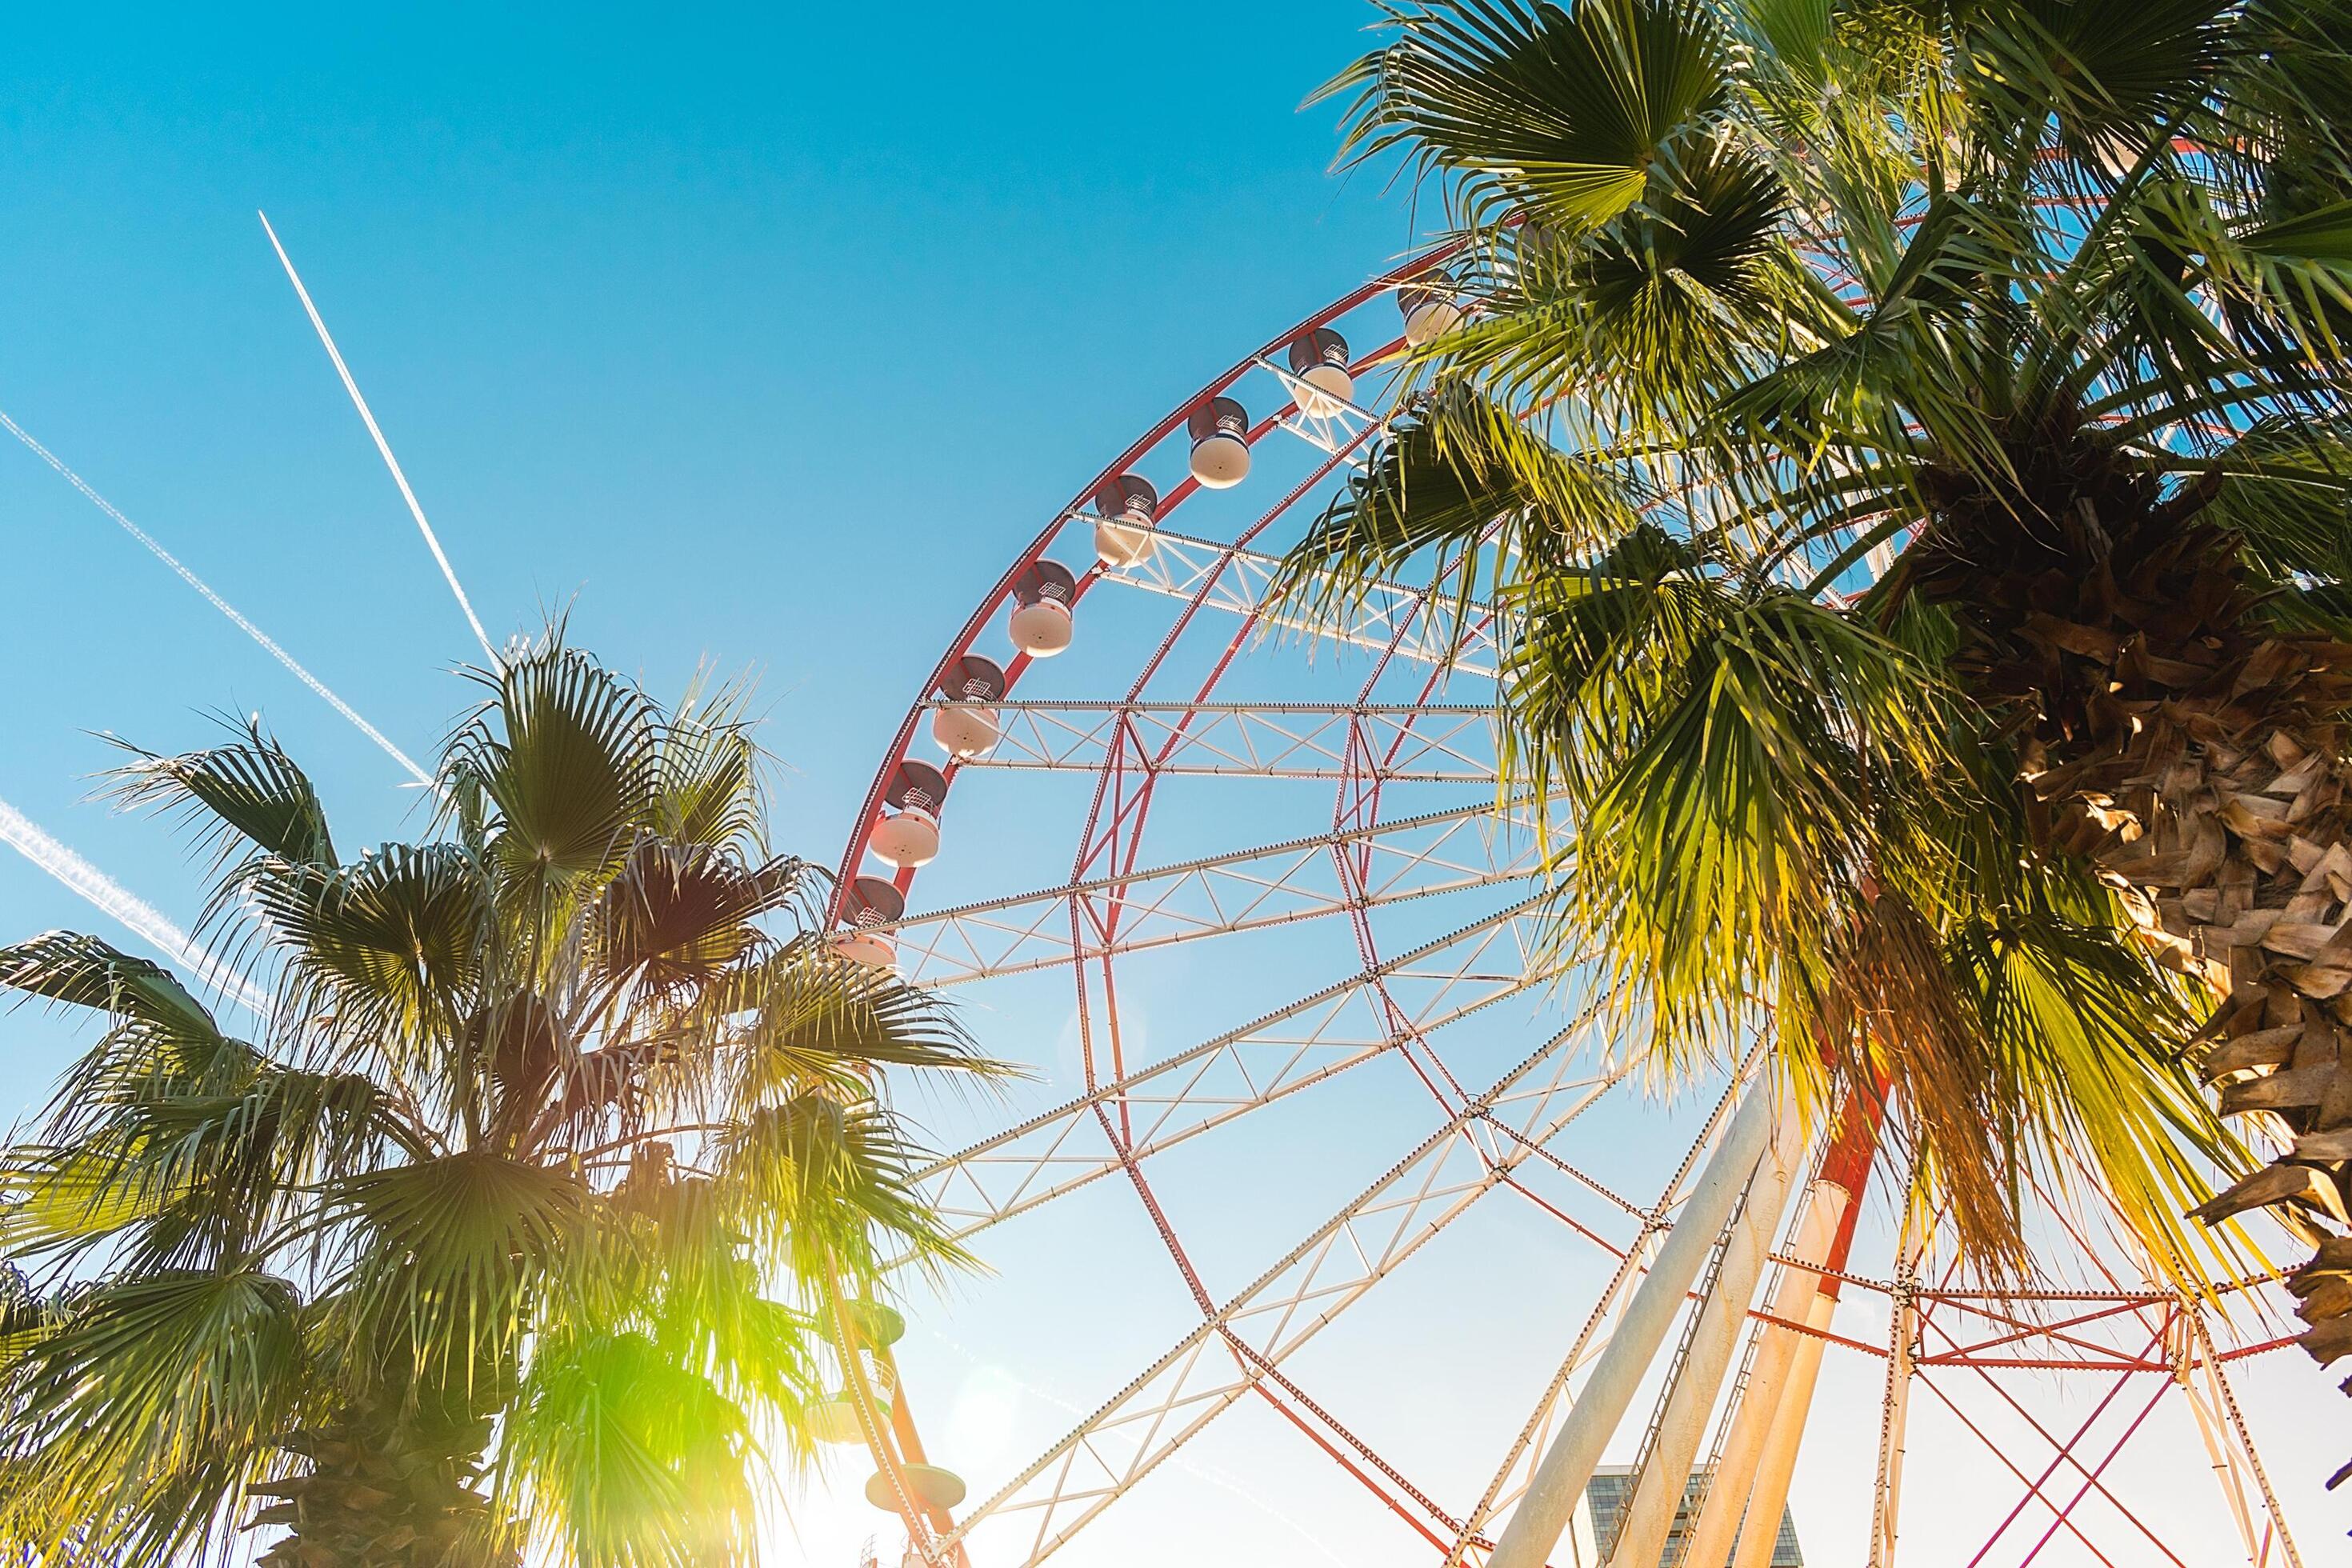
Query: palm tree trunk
(2201,763)
(381,1489)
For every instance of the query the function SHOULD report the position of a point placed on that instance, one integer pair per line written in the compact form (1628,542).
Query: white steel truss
(1442,743)
(1405,1007)
(1387,1006)
(2236,1466)
(1441,852)
(1316,418)
(1238,1345)
(1382,616)
(1517,1472)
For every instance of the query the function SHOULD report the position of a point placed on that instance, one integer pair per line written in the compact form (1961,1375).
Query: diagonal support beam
(1181,1096)
(1384,615)
(1238,1344)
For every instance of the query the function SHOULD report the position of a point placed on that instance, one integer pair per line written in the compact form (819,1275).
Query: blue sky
(743,335)
(748,335)
(761,340)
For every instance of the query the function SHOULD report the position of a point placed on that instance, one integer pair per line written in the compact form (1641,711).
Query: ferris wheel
(1288,840)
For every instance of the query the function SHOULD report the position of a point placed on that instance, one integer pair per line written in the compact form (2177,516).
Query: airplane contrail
(132,911)
(432,541)
(268,643)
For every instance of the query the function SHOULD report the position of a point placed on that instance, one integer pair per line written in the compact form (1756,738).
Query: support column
(1659,1489)
(1823,1240)
(1847,1167)
(1778,1461)
(2225,1471)
(2245,1442)
(1751,1418)
(1893,1416)
(1543,1511)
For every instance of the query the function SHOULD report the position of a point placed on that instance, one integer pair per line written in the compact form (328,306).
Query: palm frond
(818,1021)
(196,1173)
(625,1458)
(2103,73)
(816,1178)
(85,972)
(389,949)
(1719,750)
(569,757)
(677,915)
(2284,490)
(167,1386)
(708,788)
(451,1258)
(1684,293)
(1458,478)
(56,1196)
(248,792)
(2095,1049)
(1551,111)
(1904,364)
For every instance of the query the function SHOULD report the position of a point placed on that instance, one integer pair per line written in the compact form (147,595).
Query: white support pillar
(1778,1461)
(1751,1420)
(2244,1445)
(1894,1418)
(1543,1510)
(1659,1490)
(2209,1426)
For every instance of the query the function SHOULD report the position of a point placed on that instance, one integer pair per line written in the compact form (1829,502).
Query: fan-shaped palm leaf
(250,792)
(1996,444)
(163,1388)
(557,1116)
(1556,111)
(642,1460)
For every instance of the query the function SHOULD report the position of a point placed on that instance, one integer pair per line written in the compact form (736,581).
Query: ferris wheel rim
(947,1542)
(1417,266)
(1361,712)
(1128,1155)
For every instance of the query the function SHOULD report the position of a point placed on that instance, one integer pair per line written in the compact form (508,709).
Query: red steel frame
(1127,812)
(1110,848)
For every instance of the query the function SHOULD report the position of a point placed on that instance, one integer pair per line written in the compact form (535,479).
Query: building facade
(1593,1533)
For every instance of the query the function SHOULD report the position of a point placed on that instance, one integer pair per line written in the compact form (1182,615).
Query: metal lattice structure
(1239,783)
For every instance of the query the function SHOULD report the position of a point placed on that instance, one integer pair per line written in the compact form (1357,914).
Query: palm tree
(1908,446)
(521,1221)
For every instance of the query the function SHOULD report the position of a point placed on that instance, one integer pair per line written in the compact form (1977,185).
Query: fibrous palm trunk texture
(2197,756)
(378,1492)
